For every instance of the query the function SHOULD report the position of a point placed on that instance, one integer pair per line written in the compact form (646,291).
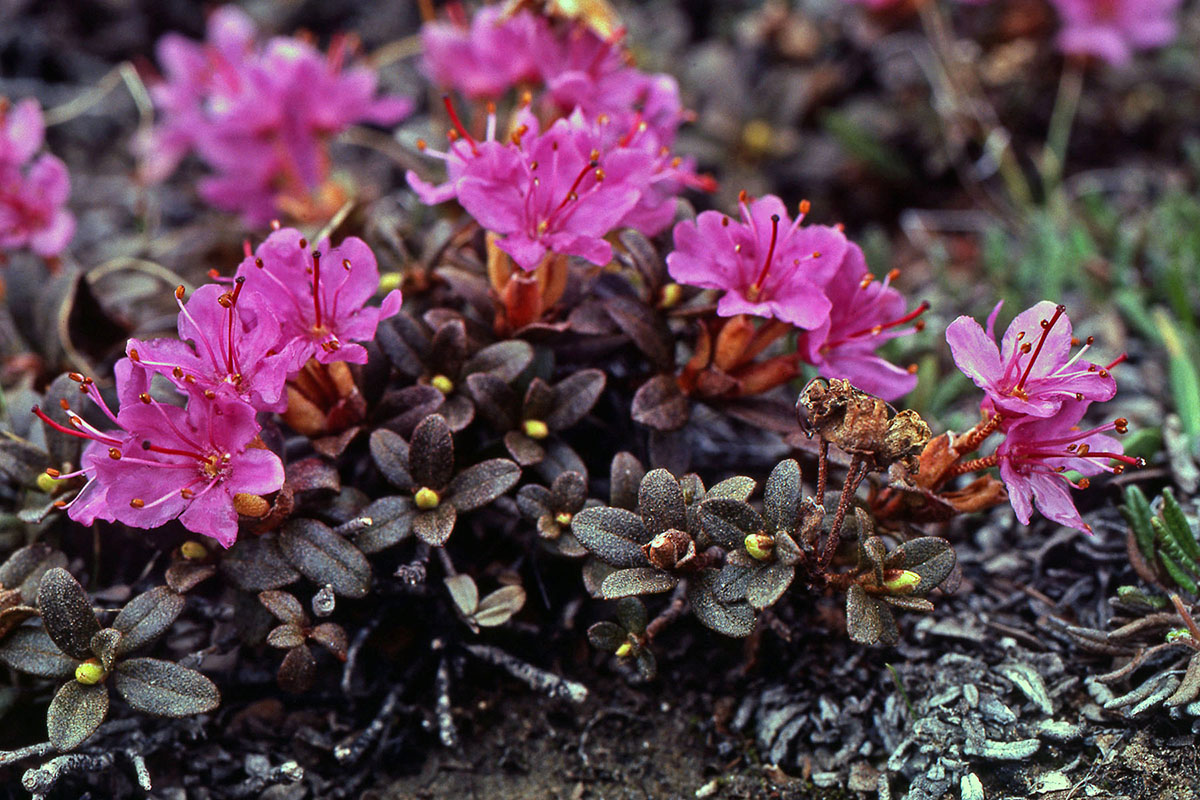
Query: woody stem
(854,476)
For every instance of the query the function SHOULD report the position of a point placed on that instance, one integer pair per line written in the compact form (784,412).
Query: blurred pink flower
(1113,29)
(22,131)
(496,53)
(33,209)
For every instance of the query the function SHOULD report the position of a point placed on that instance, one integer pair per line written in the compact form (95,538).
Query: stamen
(756,287)
(458,126)
(1047,325)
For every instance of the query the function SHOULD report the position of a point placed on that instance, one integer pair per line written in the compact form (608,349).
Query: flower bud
(624,650)
(563,517)
(89,673)
(251,505)
(670,549)
(672,293)
(46,484)
(759,545)
(389,281)
(535,429)
(901,581)
(192,551)
(427,499)
(442,384)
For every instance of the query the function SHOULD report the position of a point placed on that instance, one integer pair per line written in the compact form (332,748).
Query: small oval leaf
(613,534)
(146,617)
(75,713)
(639,580)
(499,606)
(324,557)
(164,689)
(30,650)
(67,613)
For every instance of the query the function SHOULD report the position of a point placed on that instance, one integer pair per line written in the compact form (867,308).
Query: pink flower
(864,313)
(22,131)
(318,297)
(496,53)
(260,115)
(1032,372)
(234,339)
(1035,452)
(162,462)
(768,265)
(1113,29)
(33,209)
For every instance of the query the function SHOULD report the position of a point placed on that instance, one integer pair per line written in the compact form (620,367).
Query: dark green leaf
(729,522)
(434,527)
(625,476)
(570,492)
(739,487)
(324,557)
(647,666)
(104,646)
(781,496)
(638,580)
(75,713)
(30,561)
(1189,685)
(482,483)
(431,453)
(404,341)
(30,650)
(733,580)
(164,689)
(613,534)
(606,636)
(67,613)
(733,619)
(146,617)
(283,606)
(929,556)
(631,613)
(504,360)
(647,330)
(390,453)
(868,621)
(769,584)
(298,670)
(660,502)
(534,501)
(525,451)
(495,400)
(256,563)
(574,397)
(183,576)
(332,637)
(285,637)
(391,523)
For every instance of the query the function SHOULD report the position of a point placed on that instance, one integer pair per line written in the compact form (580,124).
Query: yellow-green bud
(901,581)
(563,517)
(193,551)
(442,384)
(624,650)
(759,545)
(757,136)
(672,293)
(389,281)
(427,499)
(89,673)
(47,484)
(535,429)
(1176,634)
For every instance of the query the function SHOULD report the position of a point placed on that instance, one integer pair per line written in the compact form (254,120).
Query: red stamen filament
(756,287)
(458,126)
(1046,326)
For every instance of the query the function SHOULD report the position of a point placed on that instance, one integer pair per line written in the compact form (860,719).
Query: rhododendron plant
(33,192)
(260,115)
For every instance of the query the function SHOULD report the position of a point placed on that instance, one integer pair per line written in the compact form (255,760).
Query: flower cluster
(605,161)
(33,191)
(1113,29)
(259,114)
(1036,393)
(812,277)
(287,304)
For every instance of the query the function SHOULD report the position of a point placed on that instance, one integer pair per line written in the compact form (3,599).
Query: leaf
(574,397)
(781,496)
(638,580)
(405,408)
(463,592)
(183,576)
(929,556)
(499,606)
(631,613)
(733,619)
(13,616)
(403,340)
(534,501)
(612,534)
(26,567)
(164,689)
(606,636)
(558,458)
(324,557)
(286,636)
(257,563)
(867,621)
(298,670)
(283,606)
(391,523)
(390,453)
(733,580)
(660,502)
(646,329)
(20,461)
(643,256)
(647,665)
(1189,686)
(30,650)
(434,527)
(504,360)
(769,584)
(146,617)
(739,487)
(659,404)
(729,522)
(1178,525)
(332,637)
(75,713)
(431,453)
(478,485)
(1137,513)
(104,646)
(313,475)
(67,613)
(569,492)
(495,400)
(625,476)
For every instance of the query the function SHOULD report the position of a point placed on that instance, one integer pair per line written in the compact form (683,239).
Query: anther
(179,292)
(137,502)
(114,454)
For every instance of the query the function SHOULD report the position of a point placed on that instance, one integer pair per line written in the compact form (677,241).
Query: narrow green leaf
(1137,513)
(1178,525)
